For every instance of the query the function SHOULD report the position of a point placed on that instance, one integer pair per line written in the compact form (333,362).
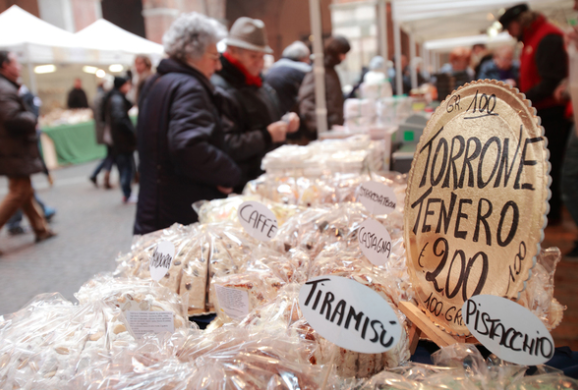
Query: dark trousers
(124,163)
(105,164)
(556,127)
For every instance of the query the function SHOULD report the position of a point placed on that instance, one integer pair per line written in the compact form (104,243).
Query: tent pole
(382,13)
(425,56)
(318,68)
(412,60)
(31,74)
(398,70)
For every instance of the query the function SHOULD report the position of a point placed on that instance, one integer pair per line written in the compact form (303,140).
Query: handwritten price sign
(476,200)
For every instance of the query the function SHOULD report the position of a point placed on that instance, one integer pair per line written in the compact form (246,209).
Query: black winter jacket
(286,76)
(180,144)
(251,109)
(19,155)
(116,107)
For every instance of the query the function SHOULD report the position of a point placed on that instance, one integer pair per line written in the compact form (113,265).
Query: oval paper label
(476,199)
(378,198)
(349,314)
(257,220)
(374,241)
(161,260)
(508,329)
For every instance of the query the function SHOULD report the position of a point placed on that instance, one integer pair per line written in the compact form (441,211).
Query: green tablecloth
(75,144)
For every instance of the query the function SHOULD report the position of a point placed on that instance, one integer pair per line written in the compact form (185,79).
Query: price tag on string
(378,198)
(349,314)
(508,330)
(257,220)
(374,241)
(161,260)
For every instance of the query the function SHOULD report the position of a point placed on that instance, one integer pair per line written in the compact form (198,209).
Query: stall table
(70,144)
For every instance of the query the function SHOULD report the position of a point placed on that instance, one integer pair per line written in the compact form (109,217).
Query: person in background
(335,52)
(405,76)
(19,154)
(459,66)
(77,97)
(480,55)
(14,224)
(543,65)
(143,70)
(375,83)
(103,137)
(115,116)
(287,74)
(252,105)
(180,130)
(502,67)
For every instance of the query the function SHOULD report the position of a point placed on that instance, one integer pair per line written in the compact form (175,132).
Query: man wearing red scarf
(253,108)
(543,65)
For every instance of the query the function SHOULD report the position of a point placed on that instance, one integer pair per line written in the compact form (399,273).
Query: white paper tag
(378,198)
(508,329)
(143,322)
(258,220)
(233,302)
(162,260)
(374,241)
(349,314)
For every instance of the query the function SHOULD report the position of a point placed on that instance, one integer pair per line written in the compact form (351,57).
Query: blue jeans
(105,164)
(570,175)
(124,163)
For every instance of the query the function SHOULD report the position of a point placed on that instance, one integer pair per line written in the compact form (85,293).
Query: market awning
(105,35)
(446,45)
(432,20)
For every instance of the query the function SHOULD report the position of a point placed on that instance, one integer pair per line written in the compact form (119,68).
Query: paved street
(93,227)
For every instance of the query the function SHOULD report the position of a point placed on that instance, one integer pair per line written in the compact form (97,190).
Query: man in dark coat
(102,139)
(287,74)
(19,154)
(253,105)
(543,65)
(336,49)
(77,97)
(180,133)
(115,112)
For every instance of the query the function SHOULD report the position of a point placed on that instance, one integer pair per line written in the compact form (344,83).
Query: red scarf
(249,78)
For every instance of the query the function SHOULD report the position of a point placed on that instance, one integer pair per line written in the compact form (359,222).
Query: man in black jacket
(77,97)
(19,155)
(116,107)
(254,107)
(180,131)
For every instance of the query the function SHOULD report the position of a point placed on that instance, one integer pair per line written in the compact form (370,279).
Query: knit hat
(512,14)
(119,81)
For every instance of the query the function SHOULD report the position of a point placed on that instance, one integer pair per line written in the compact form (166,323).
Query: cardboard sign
(257,220)
(143,322)
(508,329)
(349,314)
(374,241)
(161,260)
(233,302)
(476,200)
(378,198)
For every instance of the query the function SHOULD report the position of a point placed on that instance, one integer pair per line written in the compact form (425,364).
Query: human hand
(278,131)
(511,82)
(560,93)
(225,190)
(293,122)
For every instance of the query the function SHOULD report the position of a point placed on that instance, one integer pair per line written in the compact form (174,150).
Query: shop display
(128,331)
(59,116)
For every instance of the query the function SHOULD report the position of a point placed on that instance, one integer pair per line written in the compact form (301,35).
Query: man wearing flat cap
(543,65)
(253,107)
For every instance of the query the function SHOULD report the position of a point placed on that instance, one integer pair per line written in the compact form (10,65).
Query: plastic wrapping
(538,296)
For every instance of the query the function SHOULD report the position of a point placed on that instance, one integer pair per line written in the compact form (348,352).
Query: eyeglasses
(213,56)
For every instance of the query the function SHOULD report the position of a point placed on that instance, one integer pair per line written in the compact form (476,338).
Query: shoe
(107,180)
(132,199)
(16,230)
(45,236)
(93,180)
(49,213)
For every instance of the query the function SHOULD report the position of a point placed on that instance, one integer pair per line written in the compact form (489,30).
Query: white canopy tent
(106,36)
(446,45)
(442,20)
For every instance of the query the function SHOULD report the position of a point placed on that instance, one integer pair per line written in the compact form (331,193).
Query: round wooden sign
(476,200)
